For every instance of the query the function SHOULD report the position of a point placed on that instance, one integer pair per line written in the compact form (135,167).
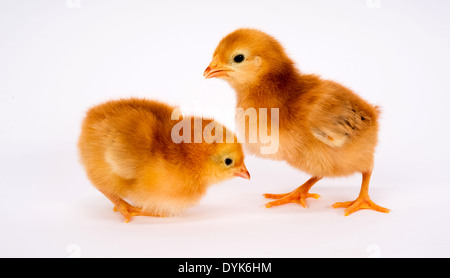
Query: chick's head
(227,161)
(220,153)
(244,55)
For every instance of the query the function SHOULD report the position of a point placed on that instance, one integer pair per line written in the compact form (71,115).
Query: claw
(298,197)
(359,204)
(128,211)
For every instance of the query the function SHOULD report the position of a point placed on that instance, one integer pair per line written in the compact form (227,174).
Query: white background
(59,59)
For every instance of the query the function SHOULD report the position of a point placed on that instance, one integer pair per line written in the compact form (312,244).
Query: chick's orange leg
(298,196)
(126,209)
(363,201)
(133,211)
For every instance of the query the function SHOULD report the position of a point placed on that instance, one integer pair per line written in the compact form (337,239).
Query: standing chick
(325,129)
(128,151)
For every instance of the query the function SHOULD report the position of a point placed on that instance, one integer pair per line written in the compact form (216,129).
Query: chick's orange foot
(363,201)
(298,196)
(128,211)
(358,204)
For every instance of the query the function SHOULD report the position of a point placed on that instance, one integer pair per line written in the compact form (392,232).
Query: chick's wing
(336,120)
(128,143)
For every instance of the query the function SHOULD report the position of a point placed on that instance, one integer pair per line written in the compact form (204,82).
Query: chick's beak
(242,172)
(214,70)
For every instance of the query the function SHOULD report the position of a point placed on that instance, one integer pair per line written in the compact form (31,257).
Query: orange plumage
(129,154)
(325,129)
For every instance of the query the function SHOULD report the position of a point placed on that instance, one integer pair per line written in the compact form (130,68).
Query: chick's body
(325,129)
(321,114)
(128,152)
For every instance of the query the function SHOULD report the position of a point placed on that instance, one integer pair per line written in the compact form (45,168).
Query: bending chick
(131,154)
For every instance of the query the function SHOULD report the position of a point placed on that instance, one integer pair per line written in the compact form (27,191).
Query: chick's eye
(228,161)
(239,58)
